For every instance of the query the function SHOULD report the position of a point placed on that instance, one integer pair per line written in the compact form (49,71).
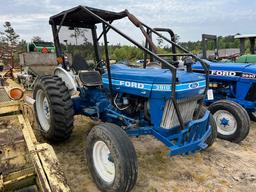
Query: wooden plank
(19,179)
(43,182)
(52,168)
(45,159)
(1,183)
(8,107)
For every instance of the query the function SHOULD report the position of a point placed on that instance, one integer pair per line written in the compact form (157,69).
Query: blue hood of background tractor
(239,67)
(151,76)
(245,72)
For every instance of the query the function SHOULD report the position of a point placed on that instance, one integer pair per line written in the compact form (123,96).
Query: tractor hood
(229,70)
(250,68)
(151,76)
(156,83)
(223,66)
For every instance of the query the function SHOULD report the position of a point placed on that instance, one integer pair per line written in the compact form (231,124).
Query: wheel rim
(43,110)
(103,162)
(226,122)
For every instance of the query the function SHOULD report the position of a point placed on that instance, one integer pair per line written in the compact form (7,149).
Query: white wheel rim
(102,162)
(43,110)
(226,122)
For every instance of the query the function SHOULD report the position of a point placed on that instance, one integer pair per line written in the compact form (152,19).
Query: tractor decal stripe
(245,75)
(156,87)
(130,84)
(179,87)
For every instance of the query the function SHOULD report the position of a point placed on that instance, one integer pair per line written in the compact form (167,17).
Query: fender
(67,78)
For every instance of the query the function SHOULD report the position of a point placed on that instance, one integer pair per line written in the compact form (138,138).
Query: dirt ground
(224,167)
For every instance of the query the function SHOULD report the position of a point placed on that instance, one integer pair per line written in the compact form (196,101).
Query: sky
(188,19)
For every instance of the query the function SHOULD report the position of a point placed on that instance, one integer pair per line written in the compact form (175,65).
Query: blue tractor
(164,103)
(231,90)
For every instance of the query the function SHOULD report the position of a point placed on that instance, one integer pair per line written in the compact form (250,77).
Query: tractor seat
(79,63)
(90,78)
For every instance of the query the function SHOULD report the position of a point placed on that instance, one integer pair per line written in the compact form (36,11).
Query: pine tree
(9,43)
(10,36)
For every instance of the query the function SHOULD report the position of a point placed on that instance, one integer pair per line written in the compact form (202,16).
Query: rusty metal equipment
(25,164)
(37,64)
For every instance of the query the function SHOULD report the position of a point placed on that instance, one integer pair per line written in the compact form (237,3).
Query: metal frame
(242,39)
(172,35)
(205,38)
(151,50)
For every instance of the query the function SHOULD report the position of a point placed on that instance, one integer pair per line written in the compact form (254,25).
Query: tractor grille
(187,108)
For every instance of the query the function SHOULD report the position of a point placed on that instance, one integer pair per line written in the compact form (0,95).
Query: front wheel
(111,158)
(233,122)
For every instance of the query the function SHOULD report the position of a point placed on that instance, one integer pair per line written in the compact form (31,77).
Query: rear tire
(53,108)
(111,158)
(233,122)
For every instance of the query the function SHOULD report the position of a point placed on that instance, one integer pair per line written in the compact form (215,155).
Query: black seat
(86,75)
(79,63)
(90,78)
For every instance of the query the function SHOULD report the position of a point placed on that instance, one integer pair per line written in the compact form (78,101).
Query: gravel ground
(224,167)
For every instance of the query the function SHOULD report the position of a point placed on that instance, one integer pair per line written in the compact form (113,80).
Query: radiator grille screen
(3,95)
(187,108)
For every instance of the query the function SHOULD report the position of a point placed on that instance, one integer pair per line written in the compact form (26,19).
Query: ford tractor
(125,101)
(231,95)
(232,91)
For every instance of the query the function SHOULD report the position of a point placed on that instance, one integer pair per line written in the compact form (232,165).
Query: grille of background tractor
(187,108)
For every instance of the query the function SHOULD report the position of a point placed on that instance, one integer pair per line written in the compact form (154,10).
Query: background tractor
(232,87)
(164,103)
(232,90)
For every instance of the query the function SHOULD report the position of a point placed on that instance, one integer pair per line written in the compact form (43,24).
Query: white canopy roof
(245,36)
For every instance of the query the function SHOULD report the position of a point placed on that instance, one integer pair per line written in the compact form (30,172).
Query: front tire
(111,158)
(53,108)
(233,122)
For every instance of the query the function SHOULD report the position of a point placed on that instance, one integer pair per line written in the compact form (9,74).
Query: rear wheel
(53,107)
(111,158)
(232,120)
